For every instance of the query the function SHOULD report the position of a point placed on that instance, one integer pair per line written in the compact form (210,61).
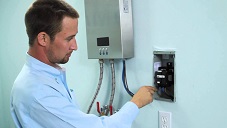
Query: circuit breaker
(164,75)
(109,29)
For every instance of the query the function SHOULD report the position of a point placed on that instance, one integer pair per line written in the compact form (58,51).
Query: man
(40,97)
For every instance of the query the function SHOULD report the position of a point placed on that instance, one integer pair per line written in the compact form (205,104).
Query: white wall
(196,29)
(13,46)
(1,105)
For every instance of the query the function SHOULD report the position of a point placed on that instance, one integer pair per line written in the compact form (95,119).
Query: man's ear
(43,38)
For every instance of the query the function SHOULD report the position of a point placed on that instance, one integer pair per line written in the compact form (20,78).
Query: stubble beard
(57,60)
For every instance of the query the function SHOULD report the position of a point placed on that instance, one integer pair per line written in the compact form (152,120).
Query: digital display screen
(103,41)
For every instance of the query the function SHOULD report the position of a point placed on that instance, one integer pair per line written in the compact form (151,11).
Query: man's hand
(144,96)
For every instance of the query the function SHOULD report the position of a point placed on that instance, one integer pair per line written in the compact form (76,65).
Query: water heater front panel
(109,29)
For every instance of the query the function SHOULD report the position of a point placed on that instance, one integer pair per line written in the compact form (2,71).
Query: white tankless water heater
(109,29)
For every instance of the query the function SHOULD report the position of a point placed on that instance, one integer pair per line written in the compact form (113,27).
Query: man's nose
(74,45)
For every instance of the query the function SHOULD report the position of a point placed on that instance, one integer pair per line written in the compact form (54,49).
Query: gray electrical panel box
(109,29)
(164,75)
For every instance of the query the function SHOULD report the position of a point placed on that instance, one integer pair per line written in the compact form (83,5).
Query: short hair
(46,16)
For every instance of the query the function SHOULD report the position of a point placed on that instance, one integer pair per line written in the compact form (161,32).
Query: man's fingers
(150,88)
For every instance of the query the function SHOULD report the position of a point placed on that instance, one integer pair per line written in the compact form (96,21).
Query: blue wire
(124,80)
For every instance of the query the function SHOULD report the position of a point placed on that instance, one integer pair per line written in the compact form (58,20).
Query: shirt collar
(39,65)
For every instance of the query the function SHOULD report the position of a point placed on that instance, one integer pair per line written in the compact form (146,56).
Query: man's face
(64,43)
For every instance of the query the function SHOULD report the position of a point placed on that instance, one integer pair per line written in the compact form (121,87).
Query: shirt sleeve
(55,110)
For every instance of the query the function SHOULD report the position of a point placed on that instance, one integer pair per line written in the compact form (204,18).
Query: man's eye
(70,38)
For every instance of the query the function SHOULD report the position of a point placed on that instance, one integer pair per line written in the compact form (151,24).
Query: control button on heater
(103,51)
(100,51)
(106,51)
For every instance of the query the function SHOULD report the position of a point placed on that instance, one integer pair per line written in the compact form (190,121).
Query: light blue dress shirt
(40,98)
